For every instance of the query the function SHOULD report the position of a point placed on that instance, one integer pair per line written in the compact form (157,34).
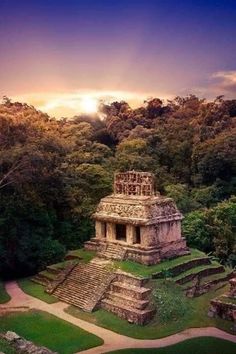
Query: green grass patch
(6,348)
(145,271)
(36,290)
(4,297)
(170,301)
(201,345)
(85,255)
(50,276)
(46,330)
(62,265)
(195,317)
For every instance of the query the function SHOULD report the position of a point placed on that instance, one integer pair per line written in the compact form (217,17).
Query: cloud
(225,81)
(67,104)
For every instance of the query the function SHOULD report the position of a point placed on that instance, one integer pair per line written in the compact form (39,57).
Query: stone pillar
(100,228)
(130,234)
(111,231)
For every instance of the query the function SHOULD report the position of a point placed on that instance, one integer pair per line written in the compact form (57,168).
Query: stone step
(112,251)
(130,314)
(84,286)
(208,270)
(183,267)
(139,293)
(121,299)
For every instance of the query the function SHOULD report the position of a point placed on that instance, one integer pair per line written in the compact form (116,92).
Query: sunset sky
(58,54)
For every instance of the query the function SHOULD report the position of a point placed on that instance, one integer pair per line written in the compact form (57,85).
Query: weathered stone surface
(11,336)
(129,297)
(225,306)
(23,346)
(232,291)
(145,224)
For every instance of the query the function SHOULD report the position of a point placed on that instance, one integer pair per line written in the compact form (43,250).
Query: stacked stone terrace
(225,305)
(145,225)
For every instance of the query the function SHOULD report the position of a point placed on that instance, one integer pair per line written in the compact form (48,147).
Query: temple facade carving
(146,224)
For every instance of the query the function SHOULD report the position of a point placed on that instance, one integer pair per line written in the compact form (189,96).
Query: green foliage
(214,230)
(54,172)
(6,348)
(4,297)
(170,301)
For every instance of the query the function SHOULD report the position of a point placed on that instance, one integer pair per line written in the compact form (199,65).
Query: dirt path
(112,340)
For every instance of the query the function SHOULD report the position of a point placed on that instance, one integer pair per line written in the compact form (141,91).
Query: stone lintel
(136,221)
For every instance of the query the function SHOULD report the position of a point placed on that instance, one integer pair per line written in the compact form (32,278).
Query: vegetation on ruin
(195,317)
(46,330)
(143,270)
(4,297)
(170,301)
(36,290)
(54,172)
(200,345)
(6,348)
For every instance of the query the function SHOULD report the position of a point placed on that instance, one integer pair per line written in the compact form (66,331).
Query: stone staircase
(112,251)
(85,285)
(129,298)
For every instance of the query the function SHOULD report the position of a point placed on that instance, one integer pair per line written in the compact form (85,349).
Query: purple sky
(56,52)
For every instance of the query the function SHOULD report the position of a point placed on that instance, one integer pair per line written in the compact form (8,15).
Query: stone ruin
(145,225)
(225,305)
(133,223)
(23,346)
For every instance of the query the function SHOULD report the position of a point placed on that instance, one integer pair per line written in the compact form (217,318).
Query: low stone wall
(201,273)
(225,310)
(198,289)
(147,257)
(129,315)
(131,279)
(23,346)
(183,267)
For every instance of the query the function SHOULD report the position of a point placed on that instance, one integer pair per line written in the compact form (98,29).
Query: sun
(89,105)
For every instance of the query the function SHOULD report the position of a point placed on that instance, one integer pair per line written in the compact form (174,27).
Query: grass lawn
(85,255)
(196,316)
(4,297)
(49,331)
(201,345)
(36,290)
(143,270)
(5,347)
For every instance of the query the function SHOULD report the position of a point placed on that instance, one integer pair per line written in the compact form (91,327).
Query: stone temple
(136,223)
(133,223)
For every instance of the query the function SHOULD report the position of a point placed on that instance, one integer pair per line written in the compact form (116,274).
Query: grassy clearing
(201,345)
(4,297)
(49,331)
(63,265)
(142,270)
(36,290)
(5,347)
(195,317)
(84,255)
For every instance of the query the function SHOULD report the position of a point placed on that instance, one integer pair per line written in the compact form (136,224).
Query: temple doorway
(137,235)
(121,232)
